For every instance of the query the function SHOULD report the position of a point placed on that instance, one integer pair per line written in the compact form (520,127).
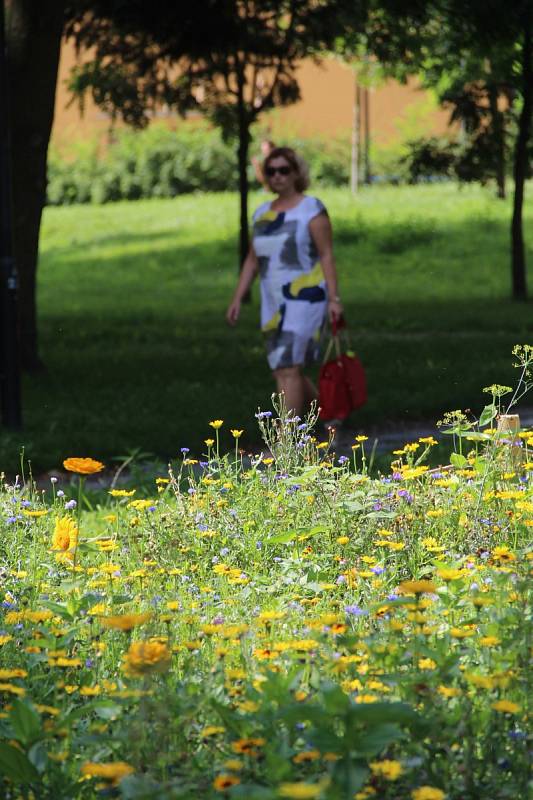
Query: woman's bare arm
(248,273)
(322,235)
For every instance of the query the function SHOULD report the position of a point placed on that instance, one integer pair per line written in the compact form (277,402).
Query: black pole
(9,350)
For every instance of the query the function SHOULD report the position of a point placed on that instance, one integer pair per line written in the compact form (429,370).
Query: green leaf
(283,538)
(227,717)
(350,775)
(15,765)
(352,505)
(335,700)
(376,713)
(488,414)
(136,787)
(58,608)
(376,740)
(26,722)
(120,599)
(106,709)
(306,534)
(38,756)
(248,790)
(458,460)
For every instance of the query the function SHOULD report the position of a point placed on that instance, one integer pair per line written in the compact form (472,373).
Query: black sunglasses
(271,171)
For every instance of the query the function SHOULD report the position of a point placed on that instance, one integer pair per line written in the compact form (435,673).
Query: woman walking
(292,252)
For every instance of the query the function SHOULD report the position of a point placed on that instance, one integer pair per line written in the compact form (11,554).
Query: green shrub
(157,162)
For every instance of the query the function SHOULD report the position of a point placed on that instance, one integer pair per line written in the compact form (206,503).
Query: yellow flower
(51,710)
(503,554)
(225,781)
(306,756)
(417,587)
(343,539)
(449,691)
(236,434)
(266,617)
(426,663)
(361,438)
(64,662)
(90,691)
(461,633)
(506,707)
(216,424)
(489,641)
(365,793)
(8,674)
(140,505)
(146,657)
(65,538)
(451,574)
(12,689)
(209,442)
(83,466)
(427,793)
(112,772)
(233,764)
(211,730)
(431,544)
(125,622)
(121,492)
(480,681)
(40,513)
(248,746)
(366,698)
(300,791)
(390,770)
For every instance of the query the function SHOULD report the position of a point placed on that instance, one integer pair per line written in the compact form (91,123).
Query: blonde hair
(297,163)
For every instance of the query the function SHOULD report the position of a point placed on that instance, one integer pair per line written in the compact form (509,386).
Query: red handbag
(342,380)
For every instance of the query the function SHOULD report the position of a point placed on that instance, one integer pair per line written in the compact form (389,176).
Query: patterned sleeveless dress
(293,289)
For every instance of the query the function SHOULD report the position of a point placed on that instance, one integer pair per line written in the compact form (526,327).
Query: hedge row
(159,162)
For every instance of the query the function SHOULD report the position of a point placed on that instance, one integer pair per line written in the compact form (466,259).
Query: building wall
(396,112)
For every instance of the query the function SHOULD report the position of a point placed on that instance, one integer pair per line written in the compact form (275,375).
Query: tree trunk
(354,166)
(242,154)
(366,100)
(518,264)
(33,32)
(9,329)
(498,131)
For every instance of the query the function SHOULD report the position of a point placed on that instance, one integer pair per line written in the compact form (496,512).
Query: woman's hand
(335,310)
(232,314)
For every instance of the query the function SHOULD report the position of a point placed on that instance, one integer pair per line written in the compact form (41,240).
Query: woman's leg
(291,382)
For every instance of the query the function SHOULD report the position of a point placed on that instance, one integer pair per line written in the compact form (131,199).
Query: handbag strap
(339,334)
(336,325)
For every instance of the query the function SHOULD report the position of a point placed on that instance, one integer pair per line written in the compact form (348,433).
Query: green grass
(132,299)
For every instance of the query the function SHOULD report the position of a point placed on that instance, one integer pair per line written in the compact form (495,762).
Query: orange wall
(397,112)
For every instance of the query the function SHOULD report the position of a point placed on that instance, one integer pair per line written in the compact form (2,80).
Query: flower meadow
(281,626)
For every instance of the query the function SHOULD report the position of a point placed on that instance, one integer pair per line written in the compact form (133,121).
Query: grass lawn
(132,299)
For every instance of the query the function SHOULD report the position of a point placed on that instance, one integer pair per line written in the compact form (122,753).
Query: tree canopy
(229,59)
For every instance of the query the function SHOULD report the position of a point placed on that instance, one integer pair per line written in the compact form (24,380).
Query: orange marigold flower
(418,587)
(146,657)
(125,622)
(83,466)
(111,772)
(225,781)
